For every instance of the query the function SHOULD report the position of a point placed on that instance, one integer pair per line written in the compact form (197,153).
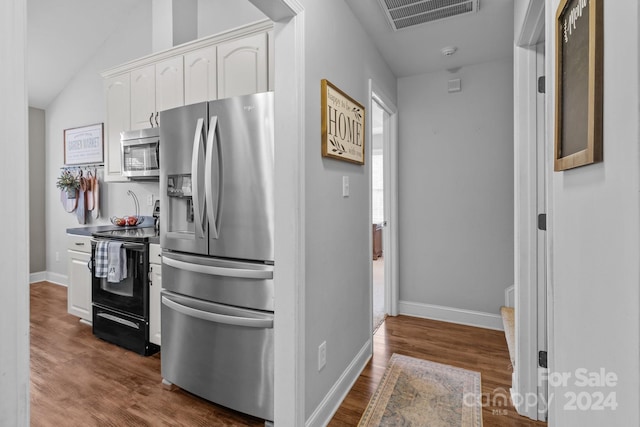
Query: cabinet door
(79,290)
(143,97)
(118,119)
(169,84)
(200,76)
(155,275)
(242,66)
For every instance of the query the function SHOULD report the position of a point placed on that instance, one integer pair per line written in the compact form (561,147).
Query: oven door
(128,295)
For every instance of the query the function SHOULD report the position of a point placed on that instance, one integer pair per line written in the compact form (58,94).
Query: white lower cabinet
(155,286)
(79,287)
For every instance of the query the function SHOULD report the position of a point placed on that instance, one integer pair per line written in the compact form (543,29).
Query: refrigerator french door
(216,232)
(217,178)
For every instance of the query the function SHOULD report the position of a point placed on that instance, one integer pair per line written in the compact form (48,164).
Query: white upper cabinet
(200,75)
(242,66)
(169,84)
(143,97)
(238,62)
(117,92)
(155,88)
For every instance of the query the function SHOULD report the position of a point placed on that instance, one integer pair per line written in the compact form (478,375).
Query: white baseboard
(58,279)
(452,315)
(510,296)
(332,401)
(40,276)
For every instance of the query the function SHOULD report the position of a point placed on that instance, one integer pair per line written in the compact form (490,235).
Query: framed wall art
(84,145)
(342,125)
(578,108)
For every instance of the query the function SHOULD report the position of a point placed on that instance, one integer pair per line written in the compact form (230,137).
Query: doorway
(377,212)
(532,205)
(383,125)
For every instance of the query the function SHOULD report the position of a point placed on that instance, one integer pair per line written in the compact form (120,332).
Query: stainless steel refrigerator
(217,232)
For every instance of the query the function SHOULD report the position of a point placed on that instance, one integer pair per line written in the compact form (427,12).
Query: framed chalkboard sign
(578,122)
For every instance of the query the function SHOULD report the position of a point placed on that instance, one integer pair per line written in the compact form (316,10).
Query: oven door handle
(129,245)
(218,318)
(243,273)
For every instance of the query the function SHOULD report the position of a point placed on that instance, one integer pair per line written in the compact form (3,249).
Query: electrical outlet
(322,355)
(150,200)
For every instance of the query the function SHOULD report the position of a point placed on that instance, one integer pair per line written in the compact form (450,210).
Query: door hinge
(541,84)
(542,222)
(542,359)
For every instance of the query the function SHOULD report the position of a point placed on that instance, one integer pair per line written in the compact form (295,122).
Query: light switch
(345,186)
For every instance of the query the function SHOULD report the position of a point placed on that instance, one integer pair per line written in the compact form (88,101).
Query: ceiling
(63,35)
(479,37)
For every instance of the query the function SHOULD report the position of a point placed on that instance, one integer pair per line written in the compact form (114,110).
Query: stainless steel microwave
(140,151)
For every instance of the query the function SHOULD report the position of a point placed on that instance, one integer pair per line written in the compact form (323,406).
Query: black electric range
(121,300)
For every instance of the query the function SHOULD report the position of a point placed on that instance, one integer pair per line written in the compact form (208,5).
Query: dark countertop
(88,231)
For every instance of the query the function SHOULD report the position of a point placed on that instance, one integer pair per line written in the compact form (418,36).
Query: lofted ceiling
(63,35)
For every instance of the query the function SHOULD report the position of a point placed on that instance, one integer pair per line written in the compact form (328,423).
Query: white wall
(215,16)
(82,103)
(595,239)
(456,190)
(37,221)
(14,215)
(337,230)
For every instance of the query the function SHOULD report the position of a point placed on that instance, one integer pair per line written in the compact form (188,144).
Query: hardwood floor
(79,380)
(476,349)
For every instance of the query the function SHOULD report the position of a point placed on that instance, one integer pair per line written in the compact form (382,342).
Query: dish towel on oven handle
(101,259)
(117,262)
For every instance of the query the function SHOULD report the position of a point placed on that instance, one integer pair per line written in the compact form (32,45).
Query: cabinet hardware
(156,120)
(151,119)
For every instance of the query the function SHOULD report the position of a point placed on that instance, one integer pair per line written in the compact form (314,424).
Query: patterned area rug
(418,393)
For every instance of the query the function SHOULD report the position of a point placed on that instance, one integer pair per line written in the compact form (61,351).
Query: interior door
(384,159)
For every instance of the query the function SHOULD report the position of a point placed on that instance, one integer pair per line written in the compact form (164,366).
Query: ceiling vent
(407,13)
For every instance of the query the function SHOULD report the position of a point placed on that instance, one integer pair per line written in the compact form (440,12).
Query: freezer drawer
(243,284)
(223,354)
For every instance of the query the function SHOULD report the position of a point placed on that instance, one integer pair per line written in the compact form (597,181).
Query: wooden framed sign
(342,125)
(83,145)
(578,121)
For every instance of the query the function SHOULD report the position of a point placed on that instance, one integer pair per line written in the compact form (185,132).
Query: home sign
(342,125)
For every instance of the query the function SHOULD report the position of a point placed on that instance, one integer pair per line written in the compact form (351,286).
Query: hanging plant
(68,182)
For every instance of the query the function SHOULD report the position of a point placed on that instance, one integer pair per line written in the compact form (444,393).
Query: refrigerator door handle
(212,205)
(217,318)
(198,206)
(242,273)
